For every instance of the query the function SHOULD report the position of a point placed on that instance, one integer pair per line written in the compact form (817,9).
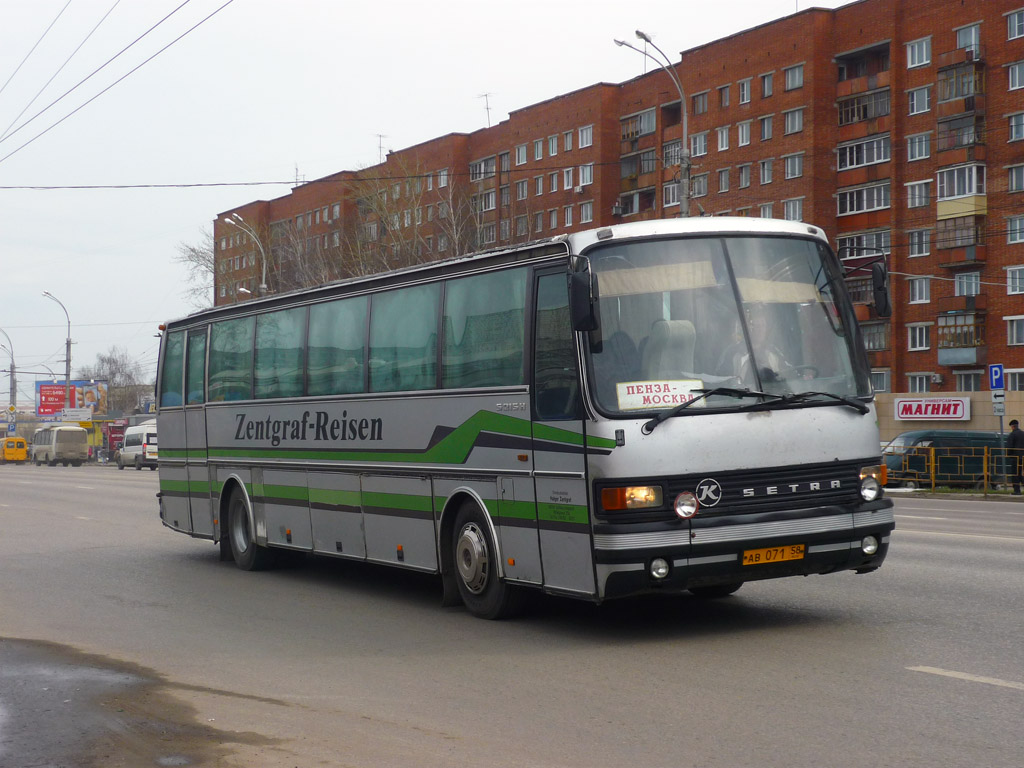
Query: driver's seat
(668,353)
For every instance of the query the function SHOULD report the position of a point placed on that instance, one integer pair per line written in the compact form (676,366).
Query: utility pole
(14,375)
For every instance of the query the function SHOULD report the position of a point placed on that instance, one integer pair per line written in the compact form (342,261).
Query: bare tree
(199,262)
(126,386)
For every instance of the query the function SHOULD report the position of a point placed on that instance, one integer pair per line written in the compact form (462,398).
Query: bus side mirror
(880,290)
(583,300)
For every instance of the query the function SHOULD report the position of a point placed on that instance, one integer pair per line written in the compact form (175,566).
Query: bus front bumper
(740,548)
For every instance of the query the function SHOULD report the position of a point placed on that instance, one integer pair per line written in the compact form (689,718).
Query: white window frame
(794,77)
(567,175)
(587,212)
(793,209)
(669,194)
(965,180)
(919,242)
(793,121)
(1015,75)
(767,84)
(869,197)
(538,149)
(699,144)
(1014,281)
(919,337)
(723,180)
(744,175)
(1015,24)
(1014,330)
(521,154)
(522,189)
(919,193)
(765,128)
(743,133)
(1015,127)
(919,146)
(585,136)
(744,89)
(699,185)
(794,165)
(1014,229)
(723,138)
(567,215)
(586,174)
(567,141)
(1015,178)
(967,283)
(552,146)
(538,185)
(919,52)
(919,290)
(765,211)
(871,150)
(766,170)
(915,97)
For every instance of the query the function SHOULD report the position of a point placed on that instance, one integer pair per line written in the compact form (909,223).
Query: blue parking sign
(995,376)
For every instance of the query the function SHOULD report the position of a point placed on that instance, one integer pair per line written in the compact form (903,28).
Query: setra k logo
(709,492)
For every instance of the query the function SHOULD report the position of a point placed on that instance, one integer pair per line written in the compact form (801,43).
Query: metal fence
(983,468)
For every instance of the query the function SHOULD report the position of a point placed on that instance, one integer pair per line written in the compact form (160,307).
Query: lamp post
(67,361)
(684,149)
(14,376)
(237,221)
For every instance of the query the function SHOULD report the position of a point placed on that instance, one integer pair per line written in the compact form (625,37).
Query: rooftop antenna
(487,105)
(380,146)
(299,179)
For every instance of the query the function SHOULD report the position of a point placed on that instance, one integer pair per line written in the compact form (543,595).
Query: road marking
(922,517)
(961,535)
(85,487)
(971,678)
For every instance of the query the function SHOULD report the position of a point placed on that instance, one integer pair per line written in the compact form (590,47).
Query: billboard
(932,408)
(85,393)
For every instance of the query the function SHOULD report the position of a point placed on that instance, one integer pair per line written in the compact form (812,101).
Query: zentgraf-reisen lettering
(318,426)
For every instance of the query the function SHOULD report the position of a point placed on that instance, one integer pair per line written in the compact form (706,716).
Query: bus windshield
(768,314)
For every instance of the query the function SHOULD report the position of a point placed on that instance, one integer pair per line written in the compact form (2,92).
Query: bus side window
(174,364)
(555,373)
(195,367)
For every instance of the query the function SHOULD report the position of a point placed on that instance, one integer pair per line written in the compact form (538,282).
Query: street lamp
(67,361)
(237,221)
(684,153)
(14,376)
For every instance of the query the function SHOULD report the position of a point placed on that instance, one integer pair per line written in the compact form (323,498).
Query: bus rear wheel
(248,555)
(482,590)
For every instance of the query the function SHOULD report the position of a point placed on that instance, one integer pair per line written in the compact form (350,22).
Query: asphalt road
(125,643)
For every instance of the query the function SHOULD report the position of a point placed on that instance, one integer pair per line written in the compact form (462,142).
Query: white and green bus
(653,407)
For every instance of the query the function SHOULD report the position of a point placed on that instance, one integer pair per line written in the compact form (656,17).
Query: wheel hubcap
(472,558)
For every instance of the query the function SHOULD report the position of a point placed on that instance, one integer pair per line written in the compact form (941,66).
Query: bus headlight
(871,481)
(659,568)
(686,505)
(631,497)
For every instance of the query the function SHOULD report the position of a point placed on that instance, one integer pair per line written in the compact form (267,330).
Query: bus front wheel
(483,591)
(248,555)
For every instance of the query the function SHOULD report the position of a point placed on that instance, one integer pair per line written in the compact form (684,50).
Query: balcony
(961,339)
(972,54)
(959,105)
(862,84)
(955,304)
(963,256)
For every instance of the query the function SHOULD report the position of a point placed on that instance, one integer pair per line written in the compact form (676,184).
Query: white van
(139,448)
(60,445)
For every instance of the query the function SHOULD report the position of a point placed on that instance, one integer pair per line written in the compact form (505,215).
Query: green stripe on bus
(291,492)
(520,510)
(334,497)
(562,513)
(398,501)
(174,486)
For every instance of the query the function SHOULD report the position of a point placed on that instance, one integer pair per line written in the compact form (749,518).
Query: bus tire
(475,567)
(248,555)
(716,591)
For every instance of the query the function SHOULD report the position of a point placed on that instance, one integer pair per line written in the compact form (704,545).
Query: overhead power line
(41,37)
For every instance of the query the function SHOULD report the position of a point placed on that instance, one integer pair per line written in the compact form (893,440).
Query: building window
(637,125)
(723,96)
(919,100)
(699,185)
(671,153)
(567,179)
(919,146)
(793,210)
(876,336)
(918,337)
(723,180)
(963,181)
(670,194)
(794,121)
(567,141)
(967,284)
(538,222)
(442,178)
(766,85)
(865,152)
(700,103)
(521,154)
(482,169)
(1014,331)
(969,38)
(864,107)
(723,138)
(1015,229)
(920,290)
(968,381)
(699,144)
(766,171)
(553,219)
(586,212)
(586,174)
(1014,380)
(918,194)
(766,127)
(1015,280)
(538,185)
(1015,25)
(795,77)
(919,52)
(918,383)
(744,86)
(743,133)
(879,240)
(553,181)
(920,242)
(1015,126)
(1016,75)
(522,189)
(765,210)
(1015,183)
(552,146)
(794,166)
(744,173)
(504,229)
(870,198)
(487,203)
(586,136)
(567,211)
(880,380)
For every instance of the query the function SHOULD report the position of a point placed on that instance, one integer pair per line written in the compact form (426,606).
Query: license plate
(773,554)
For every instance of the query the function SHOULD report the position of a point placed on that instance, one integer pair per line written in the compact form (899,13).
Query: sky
(126,126)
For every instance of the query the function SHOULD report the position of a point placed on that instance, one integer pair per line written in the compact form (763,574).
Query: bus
(13,449)
(60,444)
(652,407)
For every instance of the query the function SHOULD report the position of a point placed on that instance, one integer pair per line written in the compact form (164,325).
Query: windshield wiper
(800,397)
(650,426)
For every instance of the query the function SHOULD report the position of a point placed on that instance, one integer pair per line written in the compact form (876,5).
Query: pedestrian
(1015,451)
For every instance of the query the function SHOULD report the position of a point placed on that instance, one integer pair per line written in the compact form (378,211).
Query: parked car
(60,444)
(958,455)
(139,448)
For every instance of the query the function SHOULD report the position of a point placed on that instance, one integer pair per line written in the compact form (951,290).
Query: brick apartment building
(892,124)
